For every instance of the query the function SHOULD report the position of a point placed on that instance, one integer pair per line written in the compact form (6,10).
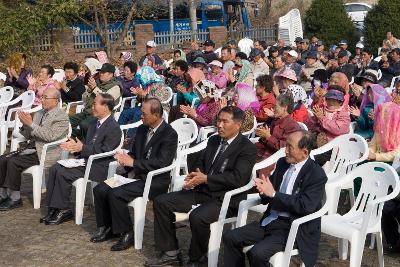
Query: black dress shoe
(390,250)
(102,234)
(165,260)
(9,204)
(2,199)
(124,242)
(59,217)
(50,213)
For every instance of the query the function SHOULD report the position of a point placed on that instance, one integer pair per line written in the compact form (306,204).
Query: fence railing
(43,42)
(90,39)
(168,40)
(268,34)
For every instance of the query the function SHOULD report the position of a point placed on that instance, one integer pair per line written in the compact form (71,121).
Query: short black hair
(287,101)
(227,48)
(71,66)
(241,55)
(308,140)
(183,65)
(396,50)
(156,107)
(131,65)
(263,44)
(232,42)
(177,51)
(273,49)
(266,82)
(237,113)
(49,68)
(108,100)
(367,50)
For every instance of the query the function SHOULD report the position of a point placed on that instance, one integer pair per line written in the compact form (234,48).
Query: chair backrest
(378,179)
(187,131)
(347,151)
(393,83)
(6,94)
(3,76)
(396,163)
(118,106)
(27,99)
(270,160)
(248,133)
(303,126)
(59,75)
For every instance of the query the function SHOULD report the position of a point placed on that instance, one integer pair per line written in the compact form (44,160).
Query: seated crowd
(296,97)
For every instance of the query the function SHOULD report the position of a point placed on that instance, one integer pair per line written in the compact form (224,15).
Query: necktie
(149,136)
(274,214)
(222,147)
(42,118)
(98,124)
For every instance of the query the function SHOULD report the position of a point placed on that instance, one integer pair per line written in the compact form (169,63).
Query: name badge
(148,153)
(223,166)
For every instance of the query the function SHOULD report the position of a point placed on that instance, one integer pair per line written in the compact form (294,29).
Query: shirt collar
(104,119)
(231,139)
(158,126)
(300,164)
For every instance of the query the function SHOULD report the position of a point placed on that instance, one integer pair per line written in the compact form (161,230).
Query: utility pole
(171,16)
(193,18)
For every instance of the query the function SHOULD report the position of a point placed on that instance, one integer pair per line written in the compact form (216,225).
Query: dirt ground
(26,242)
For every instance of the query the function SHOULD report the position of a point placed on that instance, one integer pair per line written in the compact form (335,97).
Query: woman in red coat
(265,97)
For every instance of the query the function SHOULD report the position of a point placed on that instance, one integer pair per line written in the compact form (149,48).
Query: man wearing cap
(150,53)
(304,50)
(106,83)
(349,69)
(194,53)
(291,62)
(297,41)
(208,53)
(358,56)
(390,68)
(322,54)
(312,64)
(344,45)
(367,62)
(258,65)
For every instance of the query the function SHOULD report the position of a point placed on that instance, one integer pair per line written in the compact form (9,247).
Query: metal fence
(268,34)
(90,39)
(168,40)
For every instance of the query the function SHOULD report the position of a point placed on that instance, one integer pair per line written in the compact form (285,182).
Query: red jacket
(300,115)
(266,102)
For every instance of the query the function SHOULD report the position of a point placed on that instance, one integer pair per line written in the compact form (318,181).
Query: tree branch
(126,26)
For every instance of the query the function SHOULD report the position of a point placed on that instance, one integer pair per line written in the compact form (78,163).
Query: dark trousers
(11,168)
(111,205)
(83,120)
(200,219)
(59,185)
(391,213)
(266,240)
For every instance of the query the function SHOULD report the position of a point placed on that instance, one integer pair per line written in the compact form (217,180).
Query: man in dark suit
(154,148)
(225,164)
(103,135)
(294,190)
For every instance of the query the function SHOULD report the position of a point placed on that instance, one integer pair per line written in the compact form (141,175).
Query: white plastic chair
(81,183)
(37,171)
(174,99)
(393,83)
(250,132)
(204,132)
(187,131)
(6,94)
(303,126)
(379,74)
(59,75)
(3,76)
(78,104)
(365,216)
(352,127)
(26,100)
(396,162)
(347,151)
(170,96)
(131,99)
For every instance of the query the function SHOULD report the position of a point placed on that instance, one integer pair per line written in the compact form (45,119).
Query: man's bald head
(50,98)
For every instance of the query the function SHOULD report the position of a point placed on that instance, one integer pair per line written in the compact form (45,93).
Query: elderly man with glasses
(47,125)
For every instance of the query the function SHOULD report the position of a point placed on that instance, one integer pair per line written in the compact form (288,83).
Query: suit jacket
(159,152)
(52,128)
(306,198)
(101,140)
(232,170)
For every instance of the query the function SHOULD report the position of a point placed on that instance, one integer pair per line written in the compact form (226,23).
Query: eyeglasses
(46,97)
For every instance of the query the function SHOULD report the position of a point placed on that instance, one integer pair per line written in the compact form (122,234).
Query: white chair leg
(3,138)
(372,244)
(379,247)
(80,200)
(214,243)
(139,218)
(93,184)
(343,248)
(37,190)
(356,251)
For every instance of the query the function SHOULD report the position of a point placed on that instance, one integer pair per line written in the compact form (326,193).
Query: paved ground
(26,242)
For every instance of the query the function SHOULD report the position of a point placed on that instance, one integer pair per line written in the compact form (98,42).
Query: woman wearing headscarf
(179,55)
(300,113)
(364,116)
(245,98)
(243,74)
(90,68)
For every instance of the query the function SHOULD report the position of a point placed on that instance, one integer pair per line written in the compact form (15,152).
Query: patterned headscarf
(380,96)
(298,93)
(148,75)
(246,69)
(387,126)
(127,56)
